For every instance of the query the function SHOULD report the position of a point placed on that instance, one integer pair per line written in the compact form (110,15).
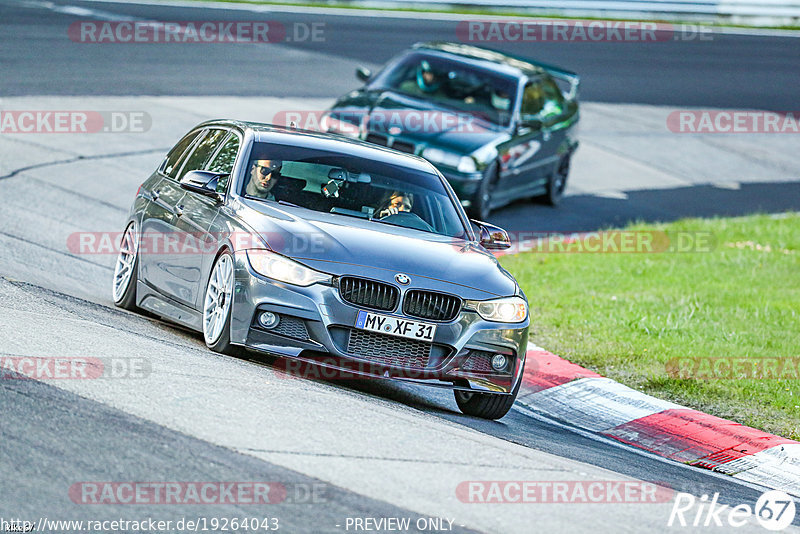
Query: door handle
(155,194)
(179,210)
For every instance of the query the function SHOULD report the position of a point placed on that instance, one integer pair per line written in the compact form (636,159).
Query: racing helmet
(424,70)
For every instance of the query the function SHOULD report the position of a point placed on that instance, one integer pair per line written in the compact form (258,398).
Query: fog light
(267,319)
(499,362)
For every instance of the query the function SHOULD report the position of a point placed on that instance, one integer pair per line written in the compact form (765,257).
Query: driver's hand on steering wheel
(392,210)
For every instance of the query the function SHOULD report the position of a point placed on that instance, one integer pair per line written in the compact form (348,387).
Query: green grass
(626,315)
(488,11)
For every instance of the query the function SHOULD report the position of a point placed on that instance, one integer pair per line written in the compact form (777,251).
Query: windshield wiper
(406,226)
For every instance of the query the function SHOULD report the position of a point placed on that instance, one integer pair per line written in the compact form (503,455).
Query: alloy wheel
(219,295)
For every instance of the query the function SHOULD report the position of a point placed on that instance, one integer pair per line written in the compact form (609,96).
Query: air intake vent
(389,350)
(403,146)
(431,305)
(368,293)
(377,139)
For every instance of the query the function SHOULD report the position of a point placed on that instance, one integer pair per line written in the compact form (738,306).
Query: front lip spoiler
(475,384)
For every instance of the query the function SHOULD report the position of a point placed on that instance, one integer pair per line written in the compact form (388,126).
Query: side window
(172,163)
(224,160)
(553,99)
(532,99)
(202,152)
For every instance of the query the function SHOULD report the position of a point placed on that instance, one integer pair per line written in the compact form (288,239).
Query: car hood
(423,122)
(341,245)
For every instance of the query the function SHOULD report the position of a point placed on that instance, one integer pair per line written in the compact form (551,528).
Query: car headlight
(505,310)
(465,164)
(283,269)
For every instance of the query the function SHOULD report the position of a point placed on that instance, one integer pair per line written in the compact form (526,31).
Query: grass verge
(627,315)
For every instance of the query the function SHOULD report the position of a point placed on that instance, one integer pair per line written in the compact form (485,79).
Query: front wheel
(218,306)
(480,207)
(486,405)
(125,272)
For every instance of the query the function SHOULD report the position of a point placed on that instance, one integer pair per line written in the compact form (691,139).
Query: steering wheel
(408,219)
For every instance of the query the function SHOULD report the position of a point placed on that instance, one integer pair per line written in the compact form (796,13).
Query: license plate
(395,326)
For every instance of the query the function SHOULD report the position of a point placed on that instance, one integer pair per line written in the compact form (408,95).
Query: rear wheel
(486,405)
(218,306)
(125,272)
(557,182)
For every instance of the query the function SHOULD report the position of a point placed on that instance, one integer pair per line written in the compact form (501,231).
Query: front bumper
(464,185)
(316,326)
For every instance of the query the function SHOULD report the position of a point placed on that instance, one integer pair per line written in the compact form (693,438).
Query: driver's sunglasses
(265,170)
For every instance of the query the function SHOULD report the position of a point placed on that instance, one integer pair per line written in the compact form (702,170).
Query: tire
(123,290)
(486,405)
(557,182)
(218,306)
(480,207)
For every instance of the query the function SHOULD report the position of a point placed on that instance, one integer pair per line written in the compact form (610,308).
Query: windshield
(482,93)
(351,187)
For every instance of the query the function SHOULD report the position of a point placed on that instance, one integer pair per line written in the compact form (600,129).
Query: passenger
(396,202)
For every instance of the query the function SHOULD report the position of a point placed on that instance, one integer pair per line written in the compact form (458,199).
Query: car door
(158,220)
(182,259)
(522,160)
(197,215)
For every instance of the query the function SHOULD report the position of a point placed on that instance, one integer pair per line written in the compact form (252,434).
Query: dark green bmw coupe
(498,127)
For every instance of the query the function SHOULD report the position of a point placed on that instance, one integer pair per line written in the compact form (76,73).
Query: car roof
(271,133)
(490,59)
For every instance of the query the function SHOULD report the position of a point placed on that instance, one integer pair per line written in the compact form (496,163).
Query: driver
(427,80)
(423,80)
(398,201)
(264,174)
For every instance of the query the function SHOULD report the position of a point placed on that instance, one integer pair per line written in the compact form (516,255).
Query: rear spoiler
(568,76)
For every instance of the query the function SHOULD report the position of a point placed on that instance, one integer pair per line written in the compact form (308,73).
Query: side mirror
(363,73)
(492,237)
(203,182)
(529,124)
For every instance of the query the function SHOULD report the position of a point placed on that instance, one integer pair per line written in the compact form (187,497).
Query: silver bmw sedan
(326,251)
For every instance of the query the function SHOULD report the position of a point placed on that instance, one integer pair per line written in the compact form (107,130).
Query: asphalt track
(736,71)
(379,449)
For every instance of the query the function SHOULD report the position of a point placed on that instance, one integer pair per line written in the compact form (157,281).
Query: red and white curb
(586,400)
